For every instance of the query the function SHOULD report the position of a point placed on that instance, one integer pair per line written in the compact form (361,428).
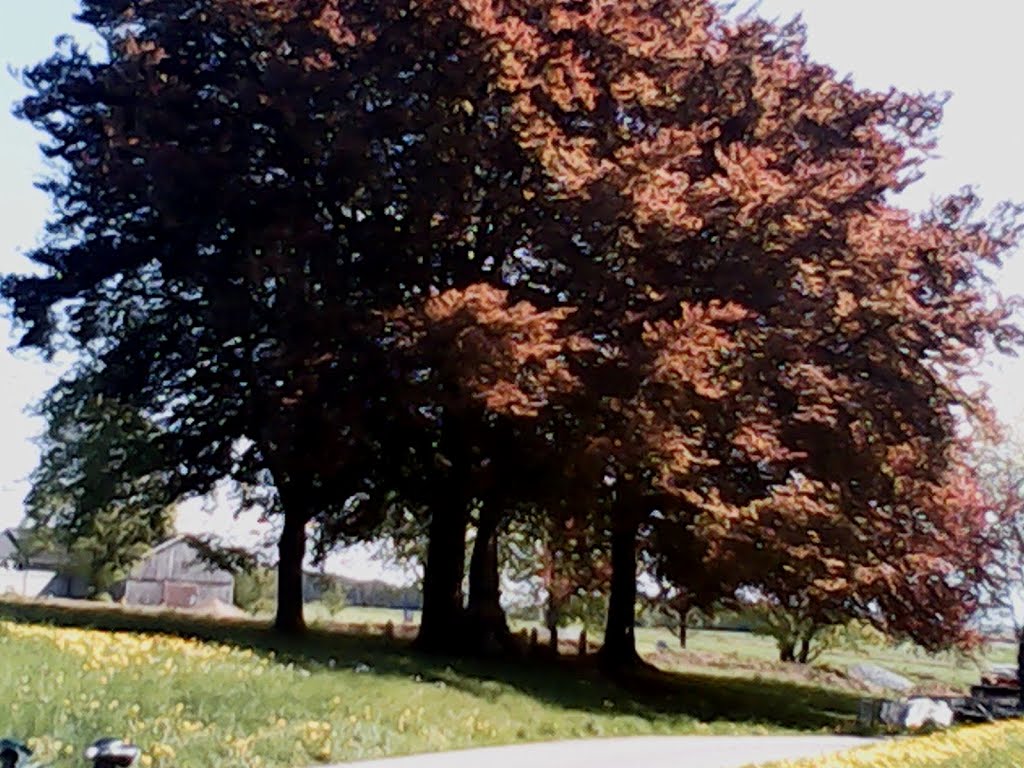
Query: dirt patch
(219,609)
(935,689)
(400,631)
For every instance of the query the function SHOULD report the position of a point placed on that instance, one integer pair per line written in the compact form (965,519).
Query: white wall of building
(30,583)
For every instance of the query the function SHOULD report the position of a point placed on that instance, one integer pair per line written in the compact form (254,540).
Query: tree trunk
(1020,669)
(683,609)
(291,553)
(787,652)
(486,626)
(619,649)
(441,623)
(805,650)
(294,493)
(552,615)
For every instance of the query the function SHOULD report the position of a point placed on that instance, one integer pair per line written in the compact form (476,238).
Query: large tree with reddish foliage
(913,570)
(768,317)
(485,369)
(398,248)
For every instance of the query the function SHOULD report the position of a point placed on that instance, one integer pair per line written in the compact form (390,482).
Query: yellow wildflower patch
(193,704)
(999,745)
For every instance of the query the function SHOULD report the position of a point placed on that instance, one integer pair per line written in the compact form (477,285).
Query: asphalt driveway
(642,752)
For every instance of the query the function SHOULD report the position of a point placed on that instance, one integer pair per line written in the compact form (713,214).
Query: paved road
(645,752)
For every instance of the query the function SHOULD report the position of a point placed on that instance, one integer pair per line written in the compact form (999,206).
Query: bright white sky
(971,49)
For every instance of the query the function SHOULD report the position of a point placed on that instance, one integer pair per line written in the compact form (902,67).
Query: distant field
(946,668)
(353,614)
(721,647)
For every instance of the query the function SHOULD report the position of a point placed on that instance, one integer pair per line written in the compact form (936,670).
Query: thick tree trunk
(487,629)
(441,624)
(787,652)
(294,493)
(291,553)
(484,586)
(619,649)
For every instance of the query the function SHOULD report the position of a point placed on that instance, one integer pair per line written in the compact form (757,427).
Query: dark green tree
(102,490)
(246,194)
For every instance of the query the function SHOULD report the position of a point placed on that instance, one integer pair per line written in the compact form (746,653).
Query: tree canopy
(634,265)
(102,491)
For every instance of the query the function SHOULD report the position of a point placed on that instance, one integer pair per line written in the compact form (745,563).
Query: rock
(879,677)
(661,646)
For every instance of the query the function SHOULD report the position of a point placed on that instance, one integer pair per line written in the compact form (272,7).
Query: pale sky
(971,49)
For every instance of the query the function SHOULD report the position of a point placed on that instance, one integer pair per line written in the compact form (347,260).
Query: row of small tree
(626,279)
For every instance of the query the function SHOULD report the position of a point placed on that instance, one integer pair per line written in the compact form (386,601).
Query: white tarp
(916,713)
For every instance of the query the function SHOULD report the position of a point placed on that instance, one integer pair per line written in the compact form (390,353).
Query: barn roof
(161,564)
(8,547)
(16,549)
(163,545)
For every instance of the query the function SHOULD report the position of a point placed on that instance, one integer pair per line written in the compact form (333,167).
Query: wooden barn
(174,574)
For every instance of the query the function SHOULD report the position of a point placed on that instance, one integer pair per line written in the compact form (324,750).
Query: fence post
(389,630)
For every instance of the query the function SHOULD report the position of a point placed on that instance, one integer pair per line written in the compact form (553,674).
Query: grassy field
(355,614)
(203,692)
(210,694)
(730,650)
(730,653)
(989,746)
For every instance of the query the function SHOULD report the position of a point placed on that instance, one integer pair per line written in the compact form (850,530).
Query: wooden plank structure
(175,575)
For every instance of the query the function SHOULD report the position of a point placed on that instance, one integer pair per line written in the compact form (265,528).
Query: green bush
(334,598)
(256,591)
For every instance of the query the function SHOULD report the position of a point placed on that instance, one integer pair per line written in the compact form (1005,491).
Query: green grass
(235,694)
(951,669)
(733,654)
(723,647)
(316,613)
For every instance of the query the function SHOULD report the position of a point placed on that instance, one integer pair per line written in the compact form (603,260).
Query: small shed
(28,570)
(174,574)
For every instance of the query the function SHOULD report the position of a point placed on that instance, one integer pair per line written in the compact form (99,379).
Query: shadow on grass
(570,682)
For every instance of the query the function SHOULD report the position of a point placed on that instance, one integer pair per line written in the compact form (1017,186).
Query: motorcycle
(103,753)
(14,754)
